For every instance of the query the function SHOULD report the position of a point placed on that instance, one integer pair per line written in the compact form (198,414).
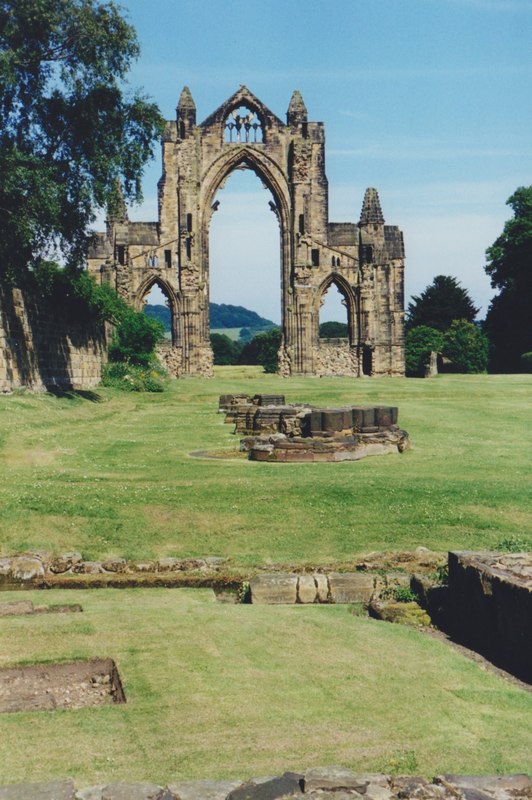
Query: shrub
(134,378)
(225,351)
(420,343)
(135,338)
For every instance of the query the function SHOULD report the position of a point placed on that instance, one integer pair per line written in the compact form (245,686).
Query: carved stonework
(365,260)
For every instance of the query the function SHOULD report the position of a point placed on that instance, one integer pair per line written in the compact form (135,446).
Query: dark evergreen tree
(443,301)
(509,265)
(69,134)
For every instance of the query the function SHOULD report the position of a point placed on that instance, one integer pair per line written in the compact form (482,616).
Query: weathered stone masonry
(38,351)
(365,260)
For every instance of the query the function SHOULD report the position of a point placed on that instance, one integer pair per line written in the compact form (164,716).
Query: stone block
(5,566)
(322,585)
(202,790)
(26,568)
(351,587)
(288,785)
(64,562)
(54,790)
(168,564)
(133,791)
(385,416)
(307,590)
(332,778)
(276,588)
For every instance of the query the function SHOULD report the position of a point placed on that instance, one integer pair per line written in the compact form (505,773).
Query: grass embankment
(114,477)
(235,691)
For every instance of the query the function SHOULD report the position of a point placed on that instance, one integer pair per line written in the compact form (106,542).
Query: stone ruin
(45,687)
(275,431)
(364,259)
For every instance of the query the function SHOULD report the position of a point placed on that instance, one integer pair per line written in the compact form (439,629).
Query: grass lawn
(112,475)
(235,691)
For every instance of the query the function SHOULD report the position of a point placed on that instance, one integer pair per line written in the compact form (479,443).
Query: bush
(420,343)
(466,347)
(133,378)
(135,338)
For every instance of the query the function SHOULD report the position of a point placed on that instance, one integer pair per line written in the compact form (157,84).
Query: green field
(235,691)
(111,474)
(232,333)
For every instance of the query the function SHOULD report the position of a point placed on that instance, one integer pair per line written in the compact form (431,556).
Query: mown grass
(235,691)
(115,477)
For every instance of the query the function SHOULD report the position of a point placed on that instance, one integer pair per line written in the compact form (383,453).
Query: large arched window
(244,253)
(333,314)
(157,303)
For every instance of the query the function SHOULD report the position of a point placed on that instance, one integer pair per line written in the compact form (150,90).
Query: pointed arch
(173,301)
(273,177)
(346,290)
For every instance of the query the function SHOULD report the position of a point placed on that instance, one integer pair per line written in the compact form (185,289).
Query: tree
(439,304)
(224,350)
(420,343)
(69,135)
(509,265)
(263,349)
(333,330)
(467,347)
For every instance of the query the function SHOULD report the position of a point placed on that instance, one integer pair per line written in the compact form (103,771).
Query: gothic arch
(346,290)
(173,301)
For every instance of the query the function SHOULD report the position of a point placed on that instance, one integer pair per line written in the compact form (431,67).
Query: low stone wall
(490,607)
(319,783)
(38,352)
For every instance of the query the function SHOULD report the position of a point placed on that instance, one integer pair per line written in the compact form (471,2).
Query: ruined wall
(37,351)
(336,357)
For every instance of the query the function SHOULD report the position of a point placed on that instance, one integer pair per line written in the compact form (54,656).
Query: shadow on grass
(75,394)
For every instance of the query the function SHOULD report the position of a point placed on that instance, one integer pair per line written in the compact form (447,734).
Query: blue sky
(430,101)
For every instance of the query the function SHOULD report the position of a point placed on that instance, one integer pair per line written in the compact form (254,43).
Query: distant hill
(222,316)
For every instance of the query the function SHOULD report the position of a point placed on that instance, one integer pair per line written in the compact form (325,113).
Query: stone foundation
(38,352)
(490,607)
(318,783)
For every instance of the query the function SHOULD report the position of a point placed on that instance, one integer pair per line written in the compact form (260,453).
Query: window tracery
(243,126)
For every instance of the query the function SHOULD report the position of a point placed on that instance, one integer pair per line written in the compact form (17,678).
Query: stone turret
(186,113)
(371,213)
(297,110)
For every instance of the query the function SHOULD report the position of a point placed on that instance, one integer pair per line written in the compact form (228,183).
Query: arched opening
(244,260)
(333,314)
(156,302)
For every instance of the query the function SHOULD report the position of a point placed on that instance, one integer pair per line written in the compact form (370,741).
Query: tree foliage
(263,350)
(443,301)
(420,343)
(225,351)
(466,347)
(69,133)
(334,330)
(509,265)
